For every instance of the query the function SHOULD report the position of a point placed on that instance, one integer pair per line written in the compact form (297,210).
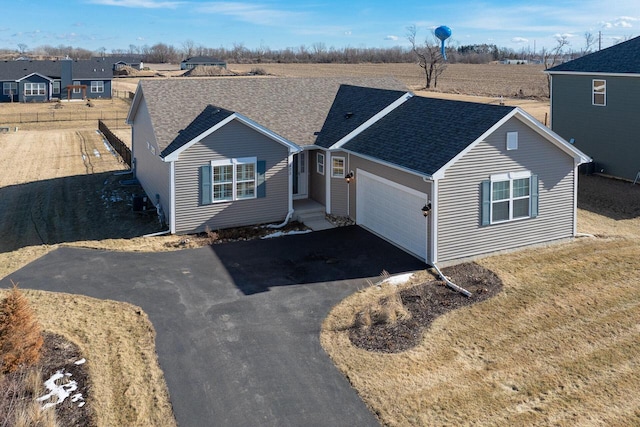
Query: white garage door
(393,211)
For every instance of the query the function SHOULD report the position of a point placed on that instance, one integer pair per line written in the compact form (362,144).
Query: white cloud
(519,40)
(394,38)
(347,33)
(620,22)
(252,13)
(144,4)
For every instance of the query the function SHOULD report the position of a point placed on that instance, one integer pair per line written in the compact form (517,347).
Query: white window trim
(77,89)
(234,179)
(510,176)
(344,167)
(34,89)
(97,86)
(320,164)
(56,87)
(603,93)
(9,88)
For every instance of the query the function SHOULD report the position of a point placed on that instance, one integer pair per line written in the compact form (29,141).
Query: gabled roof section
(423,134)
(622,58)
(35,74)
(209,117)
(351,108)
(293,108)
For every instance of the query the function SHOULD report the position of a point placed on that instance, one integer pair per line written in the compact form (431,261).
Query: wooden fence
(117,144)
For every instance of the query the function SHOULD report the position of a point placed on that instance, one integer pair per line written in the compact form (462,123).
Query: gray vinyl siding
(151,171)
(317,182)
(34,98)
(609,134)
(233,140)
(339,186)
(460,234)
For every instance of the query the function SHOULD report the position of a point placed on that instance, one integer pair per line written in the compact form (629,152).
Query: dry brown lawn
(559,346)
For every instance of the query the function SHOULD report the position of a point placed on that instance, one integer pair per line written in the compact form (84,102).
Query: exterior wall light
(349,177)
(426,209)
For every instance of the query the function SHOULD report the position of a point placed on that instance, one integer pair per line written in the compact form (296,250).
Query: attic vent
(348,115)
(214,112)
(94,70)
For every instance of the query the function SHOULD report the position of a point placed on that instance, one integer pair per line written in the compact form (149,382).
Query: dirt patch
(614,198)
(425,302)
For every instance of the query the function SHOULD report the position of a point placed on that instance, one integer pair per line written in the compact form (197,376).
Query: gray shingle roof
(202,60)
(82,69)
(352,107)
(620,58)
(294,108)
(209,117)
(424,134)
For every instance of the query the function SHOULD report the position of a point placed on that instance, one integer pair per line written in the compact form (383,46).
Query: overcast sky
(277,24)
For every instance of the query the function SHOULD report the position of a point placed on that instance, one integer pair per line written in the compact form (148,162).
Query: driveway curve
(238,324)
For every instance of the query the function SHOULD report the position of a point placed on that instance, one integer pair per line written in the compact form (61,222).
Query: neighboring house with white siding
(229,152)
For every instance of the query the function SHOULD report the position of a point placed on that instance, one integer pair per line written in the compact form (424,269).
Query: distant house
(201,61)
(28,81)
(595,102)
(444,180)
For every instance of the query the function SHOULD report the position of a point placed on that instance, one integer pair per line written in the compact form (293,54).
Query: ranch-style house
(40,81)
(444,180)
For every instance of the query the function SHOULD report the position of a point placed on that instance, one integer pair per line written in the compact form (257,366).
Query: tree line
(239,53)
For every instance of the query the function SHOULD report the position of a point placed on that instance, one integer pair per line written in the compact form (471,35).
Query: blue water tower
(443,32)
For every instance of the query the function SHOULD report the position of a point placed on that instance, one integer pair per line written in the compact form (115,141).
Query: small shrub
(20,333)
(386,311)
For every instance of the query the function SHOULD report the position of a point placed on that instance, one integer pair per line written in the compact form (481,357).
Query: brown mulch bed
(58,354)
(425,302)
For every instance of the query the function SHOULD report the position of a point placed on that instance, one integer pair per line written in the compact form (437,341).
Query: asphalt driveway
(238,323)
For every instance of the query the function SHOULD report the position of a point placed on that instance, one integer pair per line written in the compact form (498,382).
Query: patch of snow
(285,233)
(399,279)
(59,392)
(80,362)
(96,152)
(84,158)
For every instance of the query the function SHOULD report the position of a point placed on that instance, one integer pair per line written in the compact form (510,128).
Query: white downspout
(172,197)
(327,175)
(575,198)
(290,201)
(434,222)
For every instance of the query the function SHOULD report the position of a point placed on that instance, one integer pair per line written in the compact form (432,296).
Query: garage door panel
(392,211)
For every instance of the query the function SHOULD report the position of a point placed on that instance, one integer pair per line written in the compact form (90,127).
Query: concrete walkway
(238,324)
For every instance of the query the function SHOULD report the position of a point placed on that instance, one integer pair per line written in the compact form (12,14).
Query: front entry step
(311,214)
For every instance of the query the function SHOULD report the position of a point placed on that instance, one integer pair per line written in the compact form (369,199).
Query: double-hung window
(32,89)
(233,179)
(509,196)
(599,91)
(337,167)
(320,163)
(77,89)
(97,86)
(9,88)
(56,87)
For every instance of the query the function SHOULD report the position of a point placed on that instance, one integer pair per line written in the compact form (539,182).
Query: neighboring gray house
(595,102)
(228,152)
(201,61)
(29,81)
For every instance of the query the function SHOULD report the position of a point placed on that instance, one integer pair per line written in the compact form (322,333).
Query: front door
(300,178)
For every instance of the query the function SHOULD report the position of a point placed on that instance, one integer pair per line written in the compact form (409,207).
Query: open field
(484,83)
(559,346)
(64,115)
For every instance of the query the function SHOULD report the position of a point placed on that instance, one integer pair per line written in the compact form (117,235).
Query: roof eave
(592,73)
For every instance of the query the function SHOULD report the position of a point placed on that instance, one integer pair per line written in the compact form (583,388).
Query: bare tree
(550,57)
(188,48)
(22,48)
(428,55)
(589,41)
